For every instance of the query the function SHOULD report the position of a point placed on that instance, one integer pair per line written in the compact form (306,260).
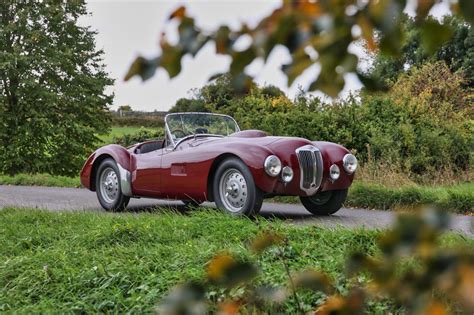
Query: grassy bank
(457,198)
(88,262)
(40,180)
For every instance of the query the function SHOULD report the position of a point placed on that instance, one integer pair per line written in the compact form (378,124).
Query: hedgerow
(422,125)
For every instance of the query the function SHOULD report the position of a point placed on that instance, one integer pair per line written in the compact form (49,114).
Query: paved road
(56,199)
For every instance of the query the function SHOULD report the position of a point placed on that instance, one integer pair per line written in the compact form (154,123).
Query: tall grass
(86,262)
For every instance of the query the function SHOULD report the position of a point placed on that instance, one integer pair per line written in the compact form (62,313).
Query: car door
(184,173)
(146,175)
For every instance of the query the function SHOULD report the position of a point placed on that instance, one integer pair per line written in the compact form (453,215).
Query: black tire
(252,203)
(325,203)
(119,201)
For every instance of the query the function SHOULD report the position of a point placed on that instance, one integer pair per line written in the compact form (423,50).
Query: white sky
(127,29)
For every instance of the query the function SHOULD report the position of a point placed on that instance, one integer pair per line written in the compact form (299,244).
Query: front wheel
(326,202)
(108,187)
(235,190)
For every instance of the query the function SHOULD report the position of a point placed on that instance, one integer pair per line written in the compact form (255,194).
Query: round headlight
(287,174)
(350,163)
(272,165)
(334,172)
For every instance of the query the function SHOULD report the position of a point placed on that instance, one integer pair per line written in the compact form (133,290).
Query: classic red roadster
(205,157)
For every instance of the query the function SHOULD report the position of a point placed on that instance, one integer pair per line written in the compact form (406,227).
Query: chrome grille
(311,168)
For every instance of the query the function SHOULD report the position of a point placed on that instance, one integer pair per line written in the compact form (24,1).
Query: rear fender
(120,155)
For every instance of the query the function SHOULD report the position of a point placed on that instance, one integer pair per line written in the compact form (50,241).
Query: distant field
(120,131)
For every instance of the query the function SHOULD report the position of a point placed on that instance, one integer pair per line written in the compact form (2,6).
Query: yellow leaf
(435,308)
(178,13)
(265,240)
(218,266)
(367,32)
(229,308)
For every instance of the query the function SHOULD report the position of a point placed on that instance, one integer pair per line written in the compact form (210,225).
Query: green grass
(40,180)
(458,198)
(118,132)
(86,262)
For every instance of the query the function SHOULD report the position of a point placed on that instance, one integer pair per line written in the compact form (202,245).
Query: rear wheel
(108,187)
(235,190)
(326,202)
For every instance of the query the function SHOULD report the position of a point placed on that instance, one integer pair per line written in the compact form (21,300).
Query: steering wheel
(178,133)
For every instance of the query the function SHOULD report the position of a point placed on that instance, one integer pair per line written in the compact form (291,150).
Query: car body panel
(185,171)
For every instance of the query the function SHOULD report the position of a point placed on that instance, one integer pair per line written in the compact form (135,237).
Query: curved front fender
(121,157)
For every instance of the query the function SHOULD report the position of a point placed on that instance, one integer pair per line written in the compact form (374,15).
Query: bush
(422,126)
(139,136)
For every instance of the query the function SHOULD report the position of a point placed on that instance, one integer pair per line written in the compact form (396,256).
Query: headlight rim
(285,169)
(266,165)
(345,163)
(334,166)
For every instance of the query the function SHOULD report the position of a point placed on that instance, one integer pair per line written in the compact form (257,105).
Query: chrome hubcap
(109,185)
(233,190)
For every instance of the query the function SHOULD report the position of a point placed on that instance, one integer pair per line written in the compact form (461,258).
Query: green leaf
(434,34)
(240,59)
(372,84)
(145,68)
(328,82)
(171,60)
(467,9)
(190,39)
(298,66)
(391,42)
(222,40)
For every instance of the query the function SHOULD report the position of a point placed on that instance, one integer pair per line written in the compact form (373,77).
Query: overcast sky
(127,29)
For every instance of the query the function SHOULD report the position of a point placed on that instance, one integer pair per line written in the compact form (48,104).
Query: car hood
(257,139)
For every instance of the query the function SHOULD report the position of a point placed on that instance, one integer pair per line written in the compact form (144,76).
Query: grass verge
(458,198)
(40,180)
(87,262)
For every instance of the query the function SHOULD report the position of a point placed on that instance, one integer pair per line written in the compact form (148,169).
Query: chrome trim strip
(317,169)
(125,181)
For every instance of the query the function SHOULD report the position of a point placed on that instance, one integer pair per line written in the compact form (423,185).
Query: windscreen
(182,125)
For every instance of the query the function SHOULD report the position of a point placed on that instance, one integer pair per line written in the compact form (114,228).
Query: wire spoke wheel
(233,190)
(109,185)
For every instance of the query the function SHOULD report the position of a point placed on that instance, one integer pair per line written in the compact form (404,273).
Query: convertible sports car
(205,157)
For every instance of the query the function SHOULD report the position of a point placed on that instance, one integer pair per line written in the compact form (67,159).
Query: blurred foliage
(411,270)
(313,32)
(52,88)
(139,136)
(422,126)
(457,52)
